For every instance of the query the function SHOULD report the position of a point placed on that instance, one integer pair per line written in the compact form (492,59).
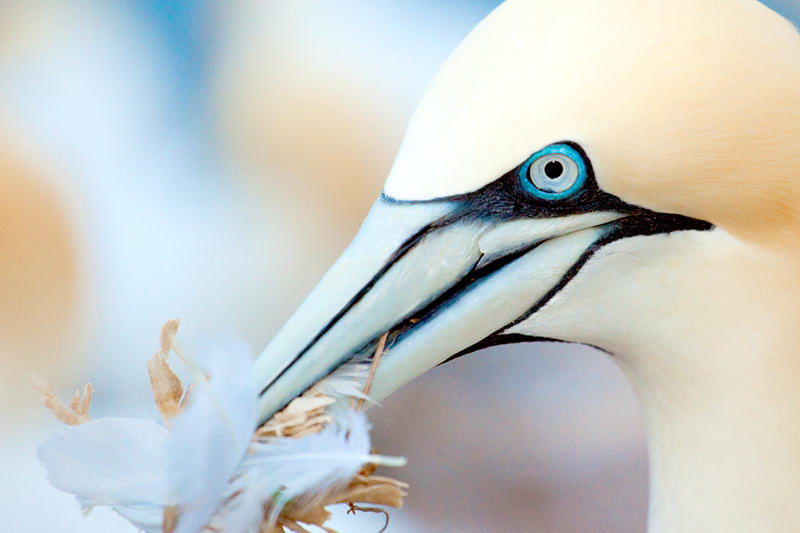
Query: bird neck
(722,407)
(725,452)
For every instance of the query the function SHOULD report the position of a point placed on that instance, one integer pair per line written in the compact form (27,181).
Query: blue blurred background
(209,161)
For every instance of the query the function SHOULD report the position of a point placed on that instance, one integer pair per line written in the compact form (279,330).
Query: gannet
(619,173)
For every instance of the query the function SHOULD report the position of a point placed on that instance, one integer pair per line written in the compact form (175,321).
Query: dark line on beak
(650,223)
(396,256)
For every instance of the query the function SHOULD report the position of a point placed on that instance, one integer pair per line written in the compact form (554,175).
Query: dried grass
(78,410)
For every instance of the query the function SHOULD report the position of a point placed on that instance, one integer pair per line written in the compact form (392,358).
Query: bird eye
(554,173)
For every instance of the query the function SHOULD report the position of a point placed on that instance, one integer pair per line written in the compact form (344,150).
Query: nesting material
(206,469)
(305,415)
(78,410)
(363,489)
(167,387)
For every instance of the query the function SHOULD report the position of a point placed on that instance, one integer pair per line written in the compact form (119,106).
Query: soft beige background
(210,160)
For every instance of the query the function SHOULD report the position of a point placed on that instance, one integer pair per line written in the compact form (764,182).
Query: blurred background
(209,161)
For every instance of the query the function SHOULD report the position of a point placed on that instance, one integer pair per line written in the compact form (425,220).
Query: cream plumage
(678,255)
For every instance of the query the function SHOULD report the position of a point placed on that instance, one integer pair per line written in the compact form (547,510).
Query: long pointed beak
(440,281)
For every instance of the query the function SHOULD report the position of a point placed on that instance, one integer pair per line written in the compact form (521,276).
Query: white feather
(242,512)
(208,441)
(116,462)
(139,467)
(347,381)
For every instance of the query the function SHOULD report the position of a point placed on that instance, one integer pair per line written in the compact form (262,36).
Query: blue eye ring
(537,178)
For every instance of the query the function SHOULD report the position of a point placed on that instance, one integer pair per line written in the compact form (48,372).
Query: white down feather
(114,462)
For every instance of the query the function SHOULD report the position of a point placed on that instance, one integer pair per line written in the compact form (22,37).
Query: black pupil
(553,169)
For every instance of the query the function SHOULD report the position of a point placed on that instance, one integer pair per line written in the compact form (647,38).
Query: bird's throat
(724,449)
(720,388)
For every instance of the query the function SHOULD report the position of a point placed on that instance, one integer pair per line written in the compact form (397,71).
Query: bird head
(569,154)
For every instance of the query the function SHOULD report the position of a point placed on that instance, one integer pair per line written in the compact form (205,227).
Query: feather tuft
(304,471)
(116,462)
(208,440)
(347,381)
